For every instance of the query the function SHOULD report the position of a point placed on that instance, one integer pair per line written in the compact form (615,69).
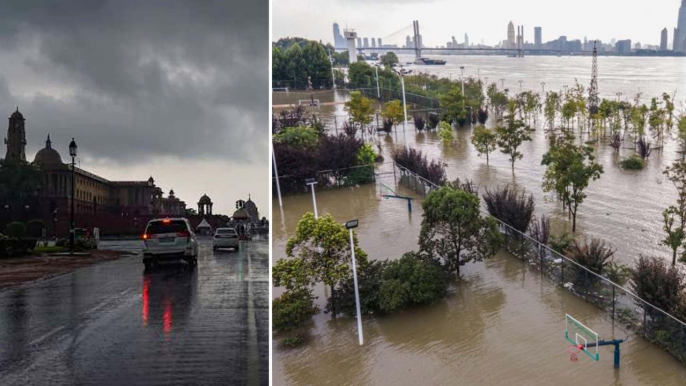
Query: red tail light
(145,236)
(183,234)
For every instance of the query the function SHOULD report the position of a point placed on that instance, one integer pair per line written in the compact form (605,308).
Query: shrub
(292,341)
(11,246)
(349,129)
(658,283)
(419,123)
(560,243)
(540,229)
(301,137)
(293,309)
(510,207)
(595,256)
(387,126)
(445,132)
(34,228)
(644,148)
(632,163)
(433,120)
(15,229)
(482,116)
(369,278)
(411,281)
(415,161)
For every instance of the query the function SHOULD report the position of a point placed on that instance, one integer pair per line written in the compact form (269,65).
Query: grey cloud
(142,78)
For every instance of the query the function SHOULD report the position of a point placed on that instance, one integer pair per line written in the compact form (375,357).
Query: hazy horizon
(391,20)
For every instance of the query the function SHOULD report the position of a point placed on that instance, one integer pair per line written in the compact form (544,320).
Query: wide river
(503,324)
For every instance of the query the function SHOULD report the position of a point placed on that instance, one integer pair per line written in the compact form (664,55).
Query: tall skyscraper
(359,42)
(365,42)
(538,37)
(680,31)
(663,40)
(338,39)
(510,35)
(379,44)
(466,40)
(373,43)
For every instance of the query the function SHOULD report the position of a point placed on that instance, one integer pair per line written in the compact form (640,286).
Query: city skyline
(634,25)
(175,95)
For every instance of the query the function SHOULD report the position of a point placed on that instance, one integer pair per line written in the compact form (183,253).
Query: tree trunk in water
(333,302)
(486,158)
(673,258)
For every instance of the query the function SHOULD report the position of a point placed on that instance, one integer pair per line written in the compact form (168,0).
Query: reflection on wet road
(114,324)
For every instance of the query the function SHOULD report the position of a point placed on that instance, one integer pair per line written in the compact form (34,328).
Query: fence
(619,303)
(333,178)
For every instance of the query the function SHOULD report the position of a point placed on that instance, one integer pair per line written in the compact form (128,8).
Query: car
(225,238)
(169,239)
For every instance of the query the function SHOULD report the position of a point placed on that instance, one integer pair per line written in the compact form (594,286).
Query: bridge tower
(350,37)
(593,91)
(417,40)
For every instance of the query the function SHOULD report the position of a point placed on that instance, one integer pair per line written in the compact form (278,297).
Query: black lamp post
(72,152)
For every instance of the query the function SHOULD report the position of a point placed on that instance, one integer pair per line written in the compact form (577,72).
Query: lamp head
(351,224)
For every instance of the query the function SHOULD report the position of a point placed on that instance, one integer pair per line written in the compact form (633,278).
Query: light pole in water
(619,95)
(72,152)
(311,182)
(276,175)
(502,83)
(333,77)
(543,87)
(350,225)
(402,83)
(378,91)
(462,78)
(520,85)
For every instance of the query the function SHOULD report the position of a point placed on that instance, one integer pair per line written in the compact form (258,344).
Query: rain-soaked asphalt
(112,323)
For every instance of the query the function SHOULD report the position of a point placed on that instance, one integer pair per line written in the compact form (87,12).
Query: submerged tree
(393,111)
(569,171)
(484,140)
(453,232)
(360,109)
(510,207)
(512,135)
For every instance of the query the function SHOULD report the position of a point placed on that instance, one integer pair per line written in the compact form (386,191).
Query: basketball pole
(614,342)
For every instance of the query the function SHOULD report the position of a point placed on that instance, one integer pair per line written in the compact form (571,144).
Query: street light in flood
(311,182)
(72,152)
(350,225)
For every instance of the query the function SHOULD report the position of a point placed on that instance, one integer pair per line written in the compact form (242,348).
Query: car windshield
(226,231)
(174,226)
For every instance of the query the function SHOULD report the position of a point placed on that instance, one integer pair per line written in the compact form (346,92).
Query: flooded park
(503,322)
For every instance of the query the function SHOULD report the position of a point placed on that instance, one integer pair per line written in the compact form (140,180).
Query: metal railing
(332,178)
(619,303)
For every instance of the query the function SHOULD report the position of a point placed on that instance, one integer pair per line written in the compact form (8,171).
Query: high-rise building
(466,40)
(538,37)
(510,35)
(454,43)
(663,40)
(379,44)
(365,42)
(373,43)
(338,39)
(408,42)
(359,42)
(680,31)
(623,46)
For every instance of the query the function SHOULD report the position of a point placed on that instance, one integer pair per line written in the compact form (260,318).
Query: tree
(411,281)
(20,185)
(445,132)
(511,136)
(484,140)
(569,171)
(453,106)
(360,108)
(453,232)
(658,284)
(510,207)
(389,59)
(393,110)
(293,309)
(323,245)
(675,233)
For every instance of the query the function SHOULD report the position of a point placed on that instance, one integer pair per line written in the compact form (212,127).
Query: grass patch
(48,250)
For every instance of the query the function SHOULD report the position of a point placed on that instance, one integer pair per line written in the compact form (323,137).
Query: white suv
(169,239)
(225,238)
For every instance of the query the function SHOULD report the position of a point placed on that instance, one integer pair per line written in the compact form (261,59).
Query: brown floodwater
(503,323)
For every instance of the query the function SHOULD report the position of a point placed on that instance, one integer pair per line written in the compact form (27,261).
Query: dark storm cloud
(139,78)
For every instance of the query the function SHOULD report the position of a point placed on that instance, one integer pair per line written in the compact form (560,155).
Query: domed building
(93,194)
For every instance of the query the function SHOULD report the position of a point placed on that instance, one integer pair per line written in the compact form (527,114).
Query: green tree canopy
(484,140)
(360,108)
(453,232)
(389,59)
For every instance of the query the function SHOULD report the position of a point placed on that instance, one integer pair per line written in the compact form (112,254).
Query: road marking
(46,336)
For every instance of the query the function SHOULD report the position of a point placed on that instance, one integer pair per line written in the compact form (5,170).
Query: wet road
(114,324)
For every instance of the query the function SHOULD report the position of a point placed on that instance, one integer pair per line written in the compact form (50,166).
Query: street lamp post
(619,95)
(378,91)
(543,87)
(520,85)
(276,175)
(72,152)
(333,77)
(311,182)
(402,83)
(502,83)
(350,225)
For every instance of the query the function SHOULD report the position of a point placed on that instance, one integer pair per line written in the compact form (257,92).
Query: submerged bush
(445,132)
(419,123)
(415,161)
(658,283)
(433,120)
(293,309)
(411,281)
(510,207)
(632,163)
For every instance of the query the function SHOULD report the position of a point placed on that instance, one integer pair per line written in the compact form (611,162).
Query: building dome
(205,199)
(47,155)
(240,214)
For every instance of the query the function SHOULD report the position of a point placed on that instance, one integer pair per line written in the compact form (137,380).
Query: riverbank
(21,270)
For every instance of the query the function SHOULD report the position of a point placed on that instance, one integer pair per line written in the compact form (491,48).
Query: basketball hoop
(573,351)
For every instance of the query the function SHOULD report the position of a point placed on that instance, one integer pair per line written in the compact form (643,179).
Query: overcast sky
(169,88)
(642,21)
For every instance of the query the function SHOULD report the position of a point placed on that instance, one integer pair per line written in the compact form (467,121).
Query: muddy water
(503,323)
